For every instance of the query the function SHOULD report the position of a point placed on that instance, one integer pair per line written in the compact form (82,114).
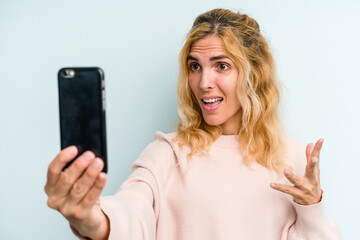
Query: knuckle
(52,169)
(52,202)
(91,197)
(66,179)
(91,174)
(79,165)
(297,180)
(66,211)
(77,189)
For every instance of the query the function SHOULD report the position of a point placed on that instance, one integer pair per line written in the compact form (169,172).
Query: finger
(82,186)
(56,166)
(93,195)
(309,149)
(73,172)
(293,191)
(293,178)
(317,148)
(312,169)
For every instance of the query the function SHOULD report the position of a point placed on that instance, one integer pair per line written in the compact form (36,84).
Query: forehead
(208,44)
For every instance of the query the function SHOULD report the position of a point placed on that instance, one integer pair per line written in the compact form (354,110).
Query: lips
(211,103)
(211,100)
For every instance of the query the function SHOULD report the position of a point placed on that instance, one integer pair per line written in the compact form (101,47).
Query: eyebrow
(211,59)
(219,57)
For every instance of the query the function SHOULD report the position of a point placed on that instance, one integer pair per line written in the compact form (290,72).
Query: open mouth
(211,104)
(211,100)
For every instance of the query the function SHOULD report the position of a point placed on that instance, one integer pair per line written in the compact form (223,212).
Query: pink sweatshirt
(215,197)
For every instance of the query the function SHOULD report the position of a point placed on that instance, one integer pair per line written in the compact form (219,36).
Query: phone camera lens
(68,73)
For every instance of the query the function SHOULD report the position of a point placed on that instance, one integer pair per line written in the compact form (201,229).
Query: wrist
(104,230)
(87,229)
(309,201)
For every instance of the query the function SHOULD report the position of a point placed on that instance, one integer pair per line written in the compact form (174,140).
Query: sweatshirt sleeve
(312,222)
(133,211)
(130,211)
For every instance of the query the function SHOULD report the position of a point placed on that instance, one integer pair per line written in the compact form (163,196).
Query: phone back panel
(82,111)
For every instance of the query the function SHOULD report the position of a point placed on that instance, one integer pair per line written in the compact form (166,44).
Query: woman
(223,174)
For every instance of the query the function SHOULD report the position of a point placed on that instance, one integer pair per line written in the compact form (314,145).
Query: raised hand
(306,190)
(75,192)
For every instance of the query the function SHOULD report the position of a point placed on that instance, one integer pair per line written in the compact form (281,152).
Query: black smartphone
(82,110)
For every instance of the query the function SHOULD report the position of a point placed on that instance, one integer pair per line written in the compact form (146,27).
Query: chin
(212,121)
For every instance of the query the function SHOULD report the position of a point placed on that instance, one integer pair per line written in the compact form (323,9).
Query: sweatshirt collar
(227,141)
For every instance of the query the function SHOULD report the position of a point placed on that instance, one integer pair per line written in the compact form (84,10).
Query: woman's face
(212,78)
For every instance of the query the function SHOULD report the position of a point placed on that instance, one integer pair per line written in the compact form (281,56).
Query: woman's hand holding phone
(75,192)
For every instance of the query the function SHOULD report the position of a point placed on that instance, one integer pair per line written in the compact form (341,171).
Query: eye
(194,67)
(223,66)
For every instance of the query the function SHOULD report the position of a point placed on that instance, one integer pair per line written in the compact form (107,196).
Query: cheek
(229,89)
(193,84)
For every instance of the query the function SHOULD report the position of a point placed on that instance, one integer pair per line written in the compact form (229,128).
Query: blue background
(315,44)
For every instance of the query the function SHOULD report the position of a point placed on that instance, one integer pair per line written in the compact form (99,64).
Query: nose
(207,81)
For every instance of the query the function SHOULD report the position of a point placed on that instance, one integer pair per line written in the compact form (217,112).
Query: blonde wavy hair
(258,90)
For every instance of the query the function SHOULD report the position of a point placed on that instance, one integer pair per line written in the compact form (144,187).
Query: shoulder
(163,145)
(295,154)
(160,154)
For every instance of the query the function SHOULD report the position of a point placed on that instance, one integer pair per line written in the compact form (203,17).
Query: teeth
(211,100)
